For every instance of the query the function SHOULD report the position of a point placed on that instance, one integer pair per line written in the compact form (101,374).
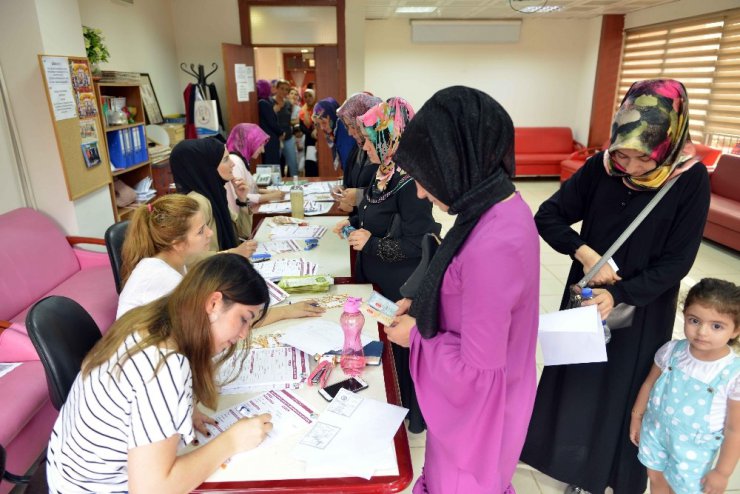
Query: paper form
(264,369)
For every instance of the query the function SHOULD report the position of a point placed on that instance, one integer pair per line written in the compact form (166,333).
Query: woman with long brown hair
(131,407)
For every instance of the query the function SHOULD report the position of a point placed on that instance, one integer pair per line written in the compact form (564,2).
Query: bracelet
(638,414)
(242,204)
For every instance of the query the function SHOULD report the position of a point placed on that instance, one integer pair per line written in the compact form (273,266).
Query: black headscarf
(194,164)
(460,148)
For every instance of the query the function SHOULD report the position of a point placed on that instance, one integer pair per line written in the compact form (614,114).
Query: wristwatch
(241,204)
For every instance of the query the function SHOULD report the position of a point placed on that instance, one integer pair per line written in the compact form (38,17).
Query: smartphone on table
(353,384)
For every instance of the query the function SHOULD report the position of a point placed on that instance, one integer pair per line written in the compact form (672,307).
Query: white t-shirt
(151,279)
(108,413)
(241,170)
(705,372)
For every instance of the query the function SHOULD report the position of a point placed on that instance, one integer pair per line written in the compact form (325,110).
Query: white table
(332,254)
(273,469)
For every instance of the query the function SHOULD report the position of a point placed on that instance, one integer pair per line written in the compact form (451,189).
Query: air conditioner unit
(463,31)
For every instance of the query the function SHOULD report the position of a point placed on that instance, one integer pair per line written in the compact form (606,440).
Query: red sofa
(576,160)
(540,150)
(723,221)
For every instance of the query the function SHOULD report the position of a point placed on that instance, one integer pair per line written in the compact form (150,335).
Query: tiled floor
(713,261)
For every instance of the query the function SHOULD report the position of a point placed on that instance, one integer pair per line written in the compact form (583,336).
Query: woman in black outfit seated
(390,223)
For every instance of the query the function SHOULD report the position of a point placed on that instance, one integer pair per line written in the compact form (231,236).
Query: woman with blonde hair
(162,238)
(131,407)
(165,237)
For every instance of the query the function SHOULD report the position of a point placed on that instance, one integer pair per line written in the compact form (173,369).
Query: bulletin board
(76,118)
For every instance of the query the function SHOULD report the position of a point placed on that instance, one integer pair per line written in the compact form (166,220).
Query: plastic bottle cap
(352,305)
(587,292)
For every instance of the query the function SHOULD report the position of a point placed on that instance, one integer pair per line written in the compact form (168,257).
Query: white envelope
(573,336)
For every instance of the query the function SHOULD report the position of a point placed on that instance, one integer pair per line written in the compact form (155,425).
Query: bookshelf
(125,142)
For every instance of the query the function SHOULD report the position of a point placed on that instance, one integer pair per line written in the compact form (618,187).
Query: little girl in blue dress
(688,409)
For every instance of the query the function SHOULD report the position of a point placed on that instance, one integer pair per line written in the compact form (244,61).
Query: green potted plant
(95,47)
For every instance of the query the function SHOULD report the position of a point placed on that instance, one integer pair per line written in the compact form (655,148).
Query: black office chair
(114,236)
(34,483)
(62,333)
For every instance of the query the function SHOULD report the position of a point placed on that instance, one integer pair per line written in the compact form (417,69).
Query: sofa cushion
(93,288)
(725,212)
(35,258)
(726,177)
(528,140)
(545,158)
(26,393)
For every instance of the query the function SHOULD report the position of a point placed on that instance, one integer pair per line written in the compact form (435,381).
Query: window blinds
(704,54)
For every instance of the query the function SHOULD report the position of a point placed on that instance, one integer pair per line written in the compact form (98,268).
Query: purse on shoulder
(622,314)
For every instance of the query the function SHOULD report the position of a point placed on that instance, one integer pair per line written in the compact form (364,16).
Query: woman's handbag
(621,315)
(429,244)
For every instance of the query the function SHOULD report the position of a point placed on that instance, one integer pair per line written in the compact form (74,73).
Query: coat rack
(200,76)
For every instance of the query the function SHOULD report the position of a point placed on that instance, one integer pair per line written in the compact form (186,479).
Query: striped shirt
(108,413)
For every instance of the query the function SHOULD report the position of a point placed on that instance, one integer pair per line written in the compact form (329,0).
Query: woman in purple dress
(472,328)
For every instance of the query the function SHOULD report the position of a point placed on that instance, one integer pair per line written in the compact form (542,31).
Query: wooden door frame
(246,30)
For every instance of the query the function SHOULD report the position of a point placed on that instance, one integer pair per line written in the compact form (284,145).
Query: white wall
(28,28)
(268,63)
(354,24)
(677,10)
(546,79)
(201,27)
(11,196)
(140,38)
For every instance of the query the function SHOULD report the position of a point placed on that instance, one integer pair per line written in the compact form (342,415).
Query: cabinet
(126,143)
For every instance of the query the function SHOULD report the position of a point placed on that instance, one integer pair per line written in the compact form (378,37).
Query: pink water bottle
(352,320)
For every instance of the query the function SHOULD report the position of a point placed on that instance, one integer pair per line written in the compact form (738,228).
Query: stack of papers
(144,191)
(351,420)
(278,247)
(7,367)
(311,208)
(291,232)
(277,268)
(289,413)
(317,336)
(264,369)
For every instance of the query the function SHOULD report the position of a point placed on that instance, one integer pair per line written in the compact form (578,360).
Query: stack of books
(120,77)
(144,191)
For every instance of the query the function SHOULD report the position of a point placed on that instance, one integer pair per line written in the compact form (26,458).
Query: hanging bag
(621,315)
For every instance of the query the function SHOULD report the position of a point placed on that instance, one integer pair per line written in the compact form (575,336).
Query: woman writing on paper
(131,407)
(390,225)
(162,240)
(472,326)
(201,168)
(580,426)
(246,142)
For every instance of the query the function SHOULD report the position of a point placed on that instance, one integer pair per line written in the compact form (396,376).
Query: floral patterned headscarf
(245,139)
(327,108)
(384,123)
(653,119)
(354,107)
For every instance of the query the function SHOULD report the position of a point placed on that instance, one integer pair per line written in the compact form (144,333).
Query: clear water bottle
(352,321)
(296,199)
(587,294)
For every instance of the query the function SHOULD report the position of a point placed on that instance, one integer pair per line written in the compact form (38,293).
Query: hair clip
(149,207)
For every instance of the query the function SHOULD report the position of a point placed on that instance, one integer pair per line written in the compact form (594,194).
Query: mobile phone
(353,384)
